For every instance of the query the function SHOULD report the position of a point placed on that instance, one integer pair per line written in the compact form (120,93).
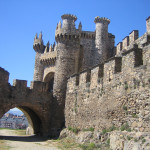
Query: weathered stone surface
(115,92)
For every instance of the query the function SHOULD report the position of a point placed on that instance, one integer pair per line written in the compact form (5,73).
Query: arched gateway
(35,102)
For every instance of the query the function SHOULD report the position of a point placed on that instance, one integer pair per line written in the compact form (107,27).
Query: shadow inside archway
(33,138)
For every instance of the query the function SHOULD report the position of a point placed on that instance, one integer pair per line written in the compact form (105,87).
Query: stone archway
(49,78)
(34,121)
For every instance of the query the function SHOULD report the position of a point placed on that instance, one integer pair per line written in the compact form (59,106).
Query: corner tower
(68,43)
(39,49)
(101,39)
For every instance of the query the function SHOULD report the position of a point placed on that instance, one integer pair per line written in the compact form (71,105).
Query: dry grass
(66,144)
(20,132)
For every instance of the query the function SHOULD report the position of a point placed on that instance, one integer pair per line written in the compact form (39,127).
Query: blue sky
(20,20)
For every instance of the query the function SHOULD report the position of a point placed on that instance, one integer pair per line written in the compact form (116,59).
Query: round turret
(101,40)
(68,24)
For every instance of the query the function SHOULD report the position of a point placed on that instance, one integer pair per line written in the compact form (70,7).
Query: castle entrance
(27,120)
(50,80)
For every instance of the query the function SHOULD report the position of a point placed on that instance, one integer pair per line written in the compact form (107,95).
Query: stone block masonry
(116,93)
(84,81)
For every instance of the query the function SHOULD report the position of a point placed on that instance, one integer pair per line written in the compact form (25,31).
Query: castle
(84,81)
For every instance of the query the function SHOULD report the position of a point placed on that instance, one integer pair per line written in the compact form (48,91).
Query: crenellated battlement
(133,38)
(61,37)
(87,35)
(49,58)
(61,31)
(35,86)
(113,68)
(101,19)
(38,44)
(20,84)
(69,17)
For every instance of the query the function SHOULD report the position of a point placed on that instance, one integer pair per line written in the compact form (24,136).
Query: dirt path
(11,141)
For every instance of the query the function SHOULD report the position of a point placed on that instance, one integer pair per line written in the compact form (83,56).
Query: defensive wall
(115,92)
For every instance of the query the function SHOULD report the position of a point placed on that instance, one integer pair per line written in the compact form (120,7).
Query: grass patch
(112,128)
(67,144)
(70,144)
(134,115)
(74,130)
(90,146)
(125,127)
(129,138)
(125,85)
(89,129)
(143,141)
(125,108)
(20,132)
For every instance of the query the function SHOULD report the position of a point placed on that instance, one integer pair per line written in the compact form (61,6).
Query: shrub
(108,142)
(90,146)
(112,128)
(74,130)
(135,140)
(129,138)
(134,115)
(89,129)
(125,85)
(104,131)
(125,108)
(125,127)
(143,141)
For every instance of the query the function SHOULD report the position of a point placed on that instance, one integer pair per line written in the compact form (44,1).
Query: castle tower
(101,39)
(67,45)
(68,24)
(39,49)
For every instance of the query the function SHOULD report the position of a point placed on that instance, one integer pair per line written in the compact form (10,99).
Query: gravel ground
(15,142)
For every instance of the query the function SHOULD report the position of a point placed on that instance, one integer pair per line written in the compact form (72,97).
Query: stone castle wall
(97,95)
(112,93)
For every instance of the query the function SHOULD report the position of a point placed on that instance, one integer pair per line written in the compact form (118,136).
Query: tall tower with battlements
(68,43)
(101,39)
